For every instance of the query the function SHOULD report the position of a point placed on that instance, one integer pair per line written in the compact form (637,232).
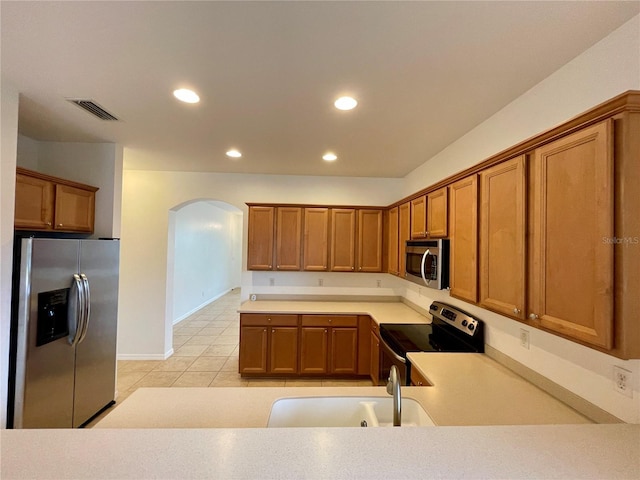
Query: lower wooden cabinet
(313,345)
(268,344)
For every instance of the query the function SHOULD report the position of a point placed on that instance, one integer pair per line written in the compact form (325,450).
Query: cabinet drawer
(329,320)
(419,380)
(268,319)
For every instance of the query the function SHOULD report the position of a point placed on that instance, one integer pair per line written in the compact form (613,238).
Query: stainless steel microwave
(427,263)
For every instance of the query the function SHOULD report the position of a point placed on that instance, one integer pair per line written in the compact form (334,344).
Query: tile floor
(205,355)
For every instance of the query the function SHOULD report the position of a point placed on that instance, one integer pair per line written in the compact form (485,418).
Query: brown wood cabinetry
(343,239)
(437,213)
(463,225)
(268,344)
(288,238)
(393,241)
(502,238)
(419,217)
(374,361)
(49,203)
(571,289)
(344,351)
(314,350)
(260,242)
(341,342)
(419,380)
(369,240)
(316,236)
(404,234)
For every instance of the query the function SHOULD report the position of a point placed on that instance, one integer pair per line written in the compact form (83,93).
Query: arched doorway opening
(204,255)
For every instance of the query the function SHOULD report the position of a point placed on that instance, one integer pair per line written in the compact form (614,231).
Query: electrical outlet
(253,297)
(623,381)
(379,283)
(272,282)
(320,282)
(524,338)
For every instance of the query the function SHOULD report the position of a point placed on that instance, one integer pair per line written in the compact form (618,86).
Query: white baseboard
(144,356)
(201,306)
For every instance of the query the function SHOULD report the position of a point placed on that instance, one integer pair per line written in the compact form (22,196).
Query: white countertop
(568,451)
(381,312)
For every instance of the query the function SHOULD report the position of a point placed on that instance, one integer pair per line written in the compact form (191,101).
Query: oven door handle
(390,352)
(424,257)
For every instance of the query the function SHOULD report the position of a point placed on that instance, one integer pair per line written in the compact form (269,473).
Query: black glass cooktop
(409,337)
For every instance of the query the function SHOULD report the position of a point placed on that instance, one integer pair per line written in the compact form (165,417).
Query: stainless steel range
(451,330)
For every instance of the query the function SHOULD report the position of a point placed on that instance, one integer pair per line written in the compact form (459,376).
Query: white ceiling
(424,73)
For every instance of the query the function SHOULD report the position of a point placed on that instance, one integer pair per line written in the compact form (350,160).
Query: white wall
(609,68)
(145,325)
(97,164)
(8,147)
(206,256)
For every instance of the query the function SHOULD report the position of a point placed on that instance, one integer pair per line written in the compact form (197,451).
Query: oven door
(387,358)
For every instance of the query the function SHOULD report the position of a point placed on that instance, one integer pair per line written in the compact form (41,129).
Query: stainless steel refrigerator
(64,324)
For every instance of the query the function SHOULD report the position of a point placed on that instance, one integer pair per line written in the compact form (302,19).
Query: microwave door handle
(424,258)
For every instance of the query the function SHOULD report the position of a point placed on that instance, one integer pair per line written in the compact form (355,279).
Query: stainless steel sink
(344,412)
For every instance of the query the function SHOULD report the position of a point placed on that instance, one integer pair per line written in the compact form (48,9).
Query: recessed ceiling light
(234,153)
(345,103)
(186,95)
(329,157)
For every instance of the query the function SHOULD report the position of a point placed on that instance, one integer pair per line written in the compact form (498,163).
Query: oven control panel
(454,317)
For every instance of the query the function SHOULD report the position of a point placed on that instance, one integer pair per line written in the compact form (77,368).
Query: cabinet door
(260,242)
(437,213)
(74,209)
(288,238)
(419,217)
(253,350)
(344,351)
(502,237)
(283,350)
(369,240)
(34,203)
(374,368)
(314,350)
(463,225)
(404,234)
(316,235)
(393,250)
(343,239)
(572,245)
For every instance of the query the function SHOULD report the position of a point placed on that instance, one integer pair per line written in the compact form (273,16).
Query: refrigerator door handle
(75,313)
(86,307)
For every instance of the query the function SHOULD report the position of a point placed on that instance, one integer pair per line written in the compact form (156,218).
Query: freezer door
(44,360)
(96,350)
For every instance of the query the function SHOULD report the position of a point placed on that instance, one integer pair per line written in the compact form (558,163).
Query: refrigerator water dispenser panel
(53,308)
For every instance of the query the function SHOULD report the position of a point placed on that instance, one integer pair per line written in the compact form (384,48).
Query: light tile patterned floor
(205,355)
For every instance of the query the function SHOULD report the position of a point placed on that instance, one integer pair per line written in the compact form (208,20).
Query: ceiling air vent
(93,108)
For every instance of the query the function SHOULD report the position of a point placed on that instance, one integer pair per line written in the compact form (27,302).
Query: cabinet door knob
(533,316)
(60,225)
(273,330)
(48,224)
(269,320)
(351,268)
(330,320)
(516,311)
(325,330)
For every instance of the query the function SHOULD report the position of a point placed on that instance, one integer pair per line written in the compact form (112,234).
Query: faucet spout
(393,388)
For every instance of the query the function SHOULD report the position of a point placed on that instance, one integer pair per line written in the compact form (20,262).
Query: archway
(204,255)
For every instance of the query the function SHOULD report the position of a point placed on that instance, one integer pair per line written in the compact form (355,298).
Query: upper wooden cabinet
(393,244)
(49,203)
(260,242)
(419,217)
(369,240)
(343,239)
(502,238)
(463,225)
(288,238)
(404,234)
(316,236)
(571,288)
(437,213)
